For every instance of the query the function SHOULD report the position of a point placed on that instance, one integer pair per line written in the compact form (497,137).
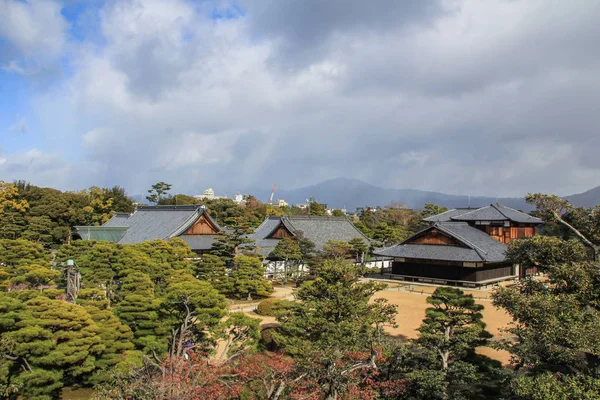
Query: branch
(361,365)
(575,231)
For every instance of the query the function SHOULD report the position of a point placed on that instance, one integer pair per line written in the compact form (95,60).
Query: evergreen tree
(453,326)
(248,278)
(57,339)
(212,269)
(288,251)
(335,318)
(138,309)
(22,252)
(115,336)
(194,303)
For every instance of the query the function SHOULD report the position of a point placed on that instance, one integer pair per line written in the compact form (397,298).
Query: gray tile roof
(493,212)
(162,222)
(446,216)
(497,212)
(318,229)
(480,247)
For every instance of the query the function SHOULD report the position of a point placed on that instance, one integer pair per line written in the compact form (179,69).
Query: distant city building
(238,198)
(282,203)
(209,194)
(301,206)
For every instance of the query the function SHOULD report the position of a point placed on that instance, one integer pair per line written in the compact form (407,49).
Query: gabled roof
(447,215)
(318,229)
(158,222)
(493,212)
(479,246)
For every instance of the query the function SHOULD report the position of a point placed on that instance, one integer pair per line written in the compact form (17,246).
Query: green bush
(268,307)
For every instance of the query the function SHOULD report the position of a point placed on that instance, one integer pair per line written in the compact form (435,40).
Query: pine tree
(249,278)
(335,329)
(453,326)
(138,309)
(212,269)
(57,339)
(116,337)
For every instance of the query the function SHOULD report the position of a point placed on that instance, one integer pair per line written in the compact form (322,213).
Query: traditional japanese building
(190,223)
(463,246)
(317,229)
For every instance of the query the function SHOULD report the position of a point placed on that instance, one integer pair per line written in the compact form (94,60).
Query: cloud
(31,32)
(460,96)
(20,125)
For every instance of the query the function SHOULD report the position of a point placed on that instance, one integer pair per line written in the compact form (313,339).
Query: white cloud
(460,98)
(34,31)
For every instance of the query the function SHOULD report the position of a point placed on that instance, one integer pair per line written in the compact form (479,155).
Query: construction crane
(272,194)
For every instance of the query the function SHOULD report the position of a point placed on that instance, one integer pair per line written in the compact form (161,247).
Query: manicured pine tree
(213,270)
(249,278)
(138,309)
(116,337)
(453,327)
(57,339)
(334,331)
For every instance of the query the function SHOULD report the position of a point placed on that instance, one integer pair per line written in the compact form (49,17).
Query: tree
(338,213)
(432,209)
(555,208)
(337,250)
(158,192)
(248,278)
(116,337)
(359,249)
(556,322)
(194,304)
(213,270)
(121,202)
(288,251)
(33,276)
(334,331)
(39,229)
(541,251)
(139,310)
(10,199)
(453,327)
(54,341)
(315,208)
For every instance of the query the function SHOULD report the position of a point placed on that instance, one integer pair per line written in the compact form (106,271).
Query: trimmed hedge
(267,307)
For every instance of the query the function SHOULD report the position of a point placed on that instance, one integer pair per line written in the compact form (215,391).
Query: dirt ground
(411,311)
(411,303)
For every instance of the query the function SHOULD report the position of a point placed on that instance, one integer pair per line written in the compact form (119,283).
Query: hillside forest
(151,320)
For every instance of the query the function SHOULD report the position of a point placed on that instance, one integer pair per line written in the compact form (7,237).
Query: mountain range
(352,193)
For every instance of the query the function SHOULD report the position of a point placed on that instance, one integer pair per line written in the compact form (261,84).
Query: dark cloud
(495,98)
(303,30)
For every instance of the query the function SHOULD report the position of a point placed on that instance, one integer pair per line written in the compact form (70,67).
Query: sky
(495,97)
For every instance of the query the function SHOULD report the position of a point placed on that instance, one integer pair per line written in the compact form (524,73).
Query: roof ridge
(498,209)
(465,241)
(181,228)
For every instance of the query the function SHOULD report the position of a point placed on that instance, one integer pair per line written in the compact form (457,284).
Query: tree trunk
(584,240)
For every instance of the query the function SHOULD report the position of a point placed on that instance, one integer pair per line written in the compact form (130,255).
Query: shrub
(267,307)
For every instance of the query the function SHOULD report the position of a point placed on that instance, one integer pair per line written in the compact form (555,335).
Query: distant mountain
(352,193)
(591,198)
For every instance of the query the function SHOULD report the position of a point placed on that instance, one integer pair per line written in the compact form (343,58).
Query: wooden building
(190,223)
(318,229)
(463,246)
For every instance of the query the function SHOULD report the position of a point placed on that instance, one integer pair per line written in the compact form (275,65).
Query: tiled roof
(493,212)
(497,212)
(318,229)
(480,247)
(162,222)
(447,215)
